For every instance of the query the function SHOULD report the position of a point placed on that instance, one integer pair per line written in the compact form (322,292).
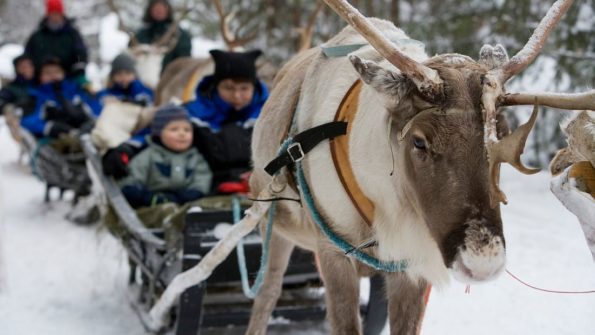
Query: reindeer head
(149,57)
(451,140)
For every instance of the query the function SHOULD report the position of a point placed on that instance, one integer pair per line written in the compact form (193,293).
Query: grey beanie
(165,115)
(123,62)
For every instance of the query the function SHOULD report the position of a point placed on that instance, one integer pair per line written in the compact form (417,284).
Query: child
(169,169)
(61,105)
(123,103)
(226,107)
(124,84)
(16,93)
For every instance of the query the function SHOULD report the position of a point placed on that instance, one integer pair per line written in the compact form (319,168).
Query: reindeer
(149,57)
(181,76)
(573,171)
(434,122)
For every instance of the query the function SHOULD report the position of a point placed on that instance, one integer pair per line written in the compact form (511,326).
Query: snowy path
(60,279)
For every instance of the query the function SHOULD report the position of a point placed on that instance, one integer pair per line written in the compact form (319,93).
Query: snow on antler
(524,57)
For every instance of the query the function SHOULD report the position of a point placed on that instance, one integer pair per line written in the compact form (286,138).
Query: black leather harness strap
(304,142)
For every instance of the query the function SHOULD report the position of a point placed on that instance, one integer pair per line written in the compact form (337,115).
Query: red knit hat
(54,6)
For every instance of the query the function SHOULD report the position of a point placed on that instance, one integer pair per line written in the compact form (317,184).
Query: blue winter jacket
(46,95)
(209,108)
(136,92)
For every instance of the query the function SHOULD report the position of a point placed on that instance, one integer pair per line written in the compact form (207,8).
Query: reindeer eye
(419,143)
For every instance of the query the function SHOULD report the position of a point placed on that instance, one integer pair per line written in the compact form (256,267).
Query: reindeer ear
(493,57)
(382,80)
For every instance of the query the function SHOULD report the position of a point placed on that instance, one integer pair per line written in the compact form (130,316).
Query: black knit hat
(165,115)
(21,58)
(123,62)
(235,65)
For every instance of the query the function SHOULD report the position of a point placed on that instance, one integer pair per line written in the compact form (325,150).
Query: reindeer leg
(406,303)
(280,251)
(342,290)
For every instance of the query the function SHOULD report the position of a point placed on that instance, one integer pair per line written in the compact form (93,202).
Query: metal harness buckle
(295,152)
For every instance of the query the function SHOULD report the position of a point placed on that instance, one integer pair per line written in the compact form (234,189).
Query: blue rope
(345,246)
(251,292)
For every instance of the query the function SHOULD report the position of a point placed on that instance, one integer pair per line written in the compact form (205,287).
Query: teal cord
(345,246)
(251,292)
(33,160)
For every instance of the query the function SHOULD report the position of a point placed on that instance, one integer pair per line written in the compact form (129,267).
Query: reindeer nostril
(485,239)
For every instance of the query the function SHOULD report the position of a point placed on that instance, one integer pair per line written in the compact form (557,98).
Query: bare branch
(232,40)
(307,31)
(426,79)
(121,25)
(570,101)
(526,56)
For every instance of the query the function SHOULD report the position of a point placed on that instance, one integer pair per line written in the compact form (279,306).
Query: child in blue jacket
(61,105)
(124,84)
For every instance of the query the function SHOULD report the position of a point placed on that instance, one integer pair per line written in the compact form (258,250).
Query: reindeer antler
(530,51)
(584,100)
(122,26)
(509,149)
(233,41)
(427,80)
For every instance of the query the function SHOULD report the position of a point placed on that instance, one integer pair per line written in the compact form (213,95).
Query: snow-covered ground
(57,278)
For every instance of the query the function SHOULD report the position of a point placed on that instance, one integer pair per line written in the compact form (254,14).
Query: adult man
(56,36)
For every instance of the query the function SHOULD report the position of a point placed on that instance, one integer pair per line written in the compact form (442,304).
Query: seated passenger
(16,93)
(124,84)
(226,107)
(123,103)
(169,169)
(61,105)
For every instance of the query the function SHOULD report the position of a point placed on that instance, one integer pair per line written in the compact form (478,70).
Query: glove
(58,128)
(76,114)
(115,161)
(73,115)
(53,113)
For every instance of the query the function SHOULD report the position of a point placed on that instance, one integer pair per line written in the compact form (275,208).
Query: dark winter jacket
(159,175)
(66,44)
(16,93)
(65,102)
(222,134)
(209,109)
(136,93)
(151,33)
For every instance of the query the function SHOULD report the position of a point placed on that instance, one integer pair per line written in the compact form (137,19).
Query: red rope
(546,290)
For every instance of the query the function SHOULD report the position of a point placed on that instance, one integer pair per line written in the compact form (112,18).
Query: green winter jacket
(160,170)
(151,32)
